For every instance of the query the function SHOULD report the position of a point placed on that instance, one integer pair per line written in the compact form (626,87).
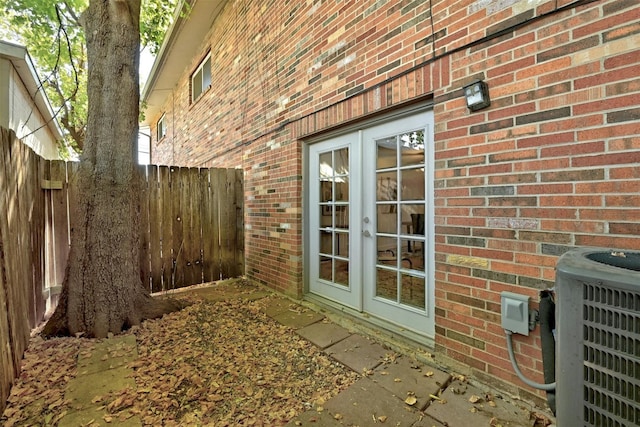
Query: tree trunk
(102,291)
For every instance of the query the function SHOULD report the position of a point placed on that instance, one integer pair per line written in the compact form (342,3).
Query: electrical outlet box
(515,312)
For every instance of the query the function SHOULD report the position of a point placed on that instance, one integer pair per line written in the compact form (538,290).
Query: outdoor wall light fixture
(477,95)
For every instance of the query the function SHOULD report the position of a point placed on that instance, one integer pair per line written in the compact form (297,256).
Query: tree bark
(102,291)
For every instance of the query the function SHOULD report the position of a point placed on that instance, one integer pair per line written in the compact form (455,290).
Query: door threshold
(394,336)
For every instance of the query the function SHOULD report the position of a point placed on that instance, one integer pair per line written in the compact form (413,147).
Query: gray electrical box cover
(515,312)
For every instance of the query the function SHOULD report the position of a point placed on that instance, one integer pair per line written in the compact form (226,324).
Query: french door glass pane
(412,290)
(342,272)
(387,152)
(387,186)
(386,284)
(326,268)
(412,144)
(386,220)
(412,184)
(400,207)
(333,188)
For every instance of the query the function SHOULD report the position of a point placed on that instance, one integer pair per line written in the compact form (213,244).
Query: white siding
(26,121)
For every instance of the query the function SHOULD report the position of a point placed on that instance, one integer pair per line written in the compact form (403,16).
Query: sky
(146,62)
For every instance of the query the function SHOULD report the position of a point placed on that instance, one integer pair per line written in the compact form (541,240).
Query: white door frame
(363,252)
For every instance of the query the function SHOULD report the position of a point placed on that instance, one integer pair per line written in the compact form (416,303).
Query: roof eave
(177,52)
(22,62)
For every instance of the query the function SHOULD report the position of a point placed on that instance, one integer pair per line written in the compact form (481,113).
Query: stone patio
(394,390)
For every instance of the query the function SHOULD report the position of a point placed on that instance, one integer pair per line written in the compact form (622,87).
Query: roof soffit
(181,43)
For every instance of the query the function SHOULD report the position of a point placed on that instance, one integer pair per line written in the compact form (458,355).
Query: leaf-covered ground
(213,363)
(37,396)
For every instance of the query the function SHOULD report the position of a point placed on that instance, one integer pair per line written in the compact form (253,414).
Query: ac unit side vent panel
(611,356)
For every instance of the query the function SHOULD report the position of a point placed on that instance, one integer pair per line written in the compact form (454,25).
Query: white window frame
(201,78)
(161,128)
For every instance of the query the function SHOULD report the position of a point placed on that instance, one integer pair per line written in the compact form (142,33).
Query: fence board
(193,268)
(6,358)
(25,200)
(18,309)
(227,224)
(210,267)
(177,274)
(37,240)
(7,349)
(166,234)
(59,221)
(197,221)
(145,261)
(187,243)
(155,227)
(239,226)
(217,189)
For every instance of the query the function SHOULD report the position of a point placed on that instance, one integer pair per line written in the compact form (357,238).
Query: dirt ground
(214,363)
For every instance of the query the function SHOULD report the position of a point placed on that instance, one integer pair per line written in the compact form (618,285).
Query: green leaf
(55,39)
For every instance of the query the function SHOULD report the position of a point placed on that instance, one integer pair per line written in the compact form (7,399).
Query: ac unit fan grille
(611,356)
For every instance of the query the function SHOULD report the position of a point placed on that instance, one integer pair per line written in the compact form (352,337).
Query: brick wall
(552,164)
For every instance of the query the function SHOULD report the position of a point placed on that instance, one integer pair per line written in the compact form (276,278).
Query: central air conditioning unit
(598,338)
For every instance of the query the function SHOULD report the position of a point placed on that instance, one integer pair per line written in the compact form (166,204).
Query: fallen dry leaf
(221,363)
(475,399)
(411,400)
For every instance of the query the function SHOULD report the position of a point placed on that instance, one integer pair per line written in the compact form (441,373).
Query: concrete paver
(366,403)
(358,353)
(101,371)
(457,408)
(276,306)
(314,418)
(108,354)
(403,377)
(427,421)
(390,380)
(323,334)
(298,318)
(230,290)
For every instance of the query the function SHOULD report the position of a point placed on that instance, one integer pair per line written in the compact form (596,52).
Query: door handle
(366,233)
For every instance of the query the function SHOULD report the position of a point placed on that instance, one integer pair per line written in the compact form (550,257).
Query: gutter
(167,43)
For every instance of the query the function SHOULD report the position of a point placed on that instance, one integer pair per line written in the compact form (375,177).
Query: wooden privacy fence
(191,223)
(191,231)
(22,261)
(192,226)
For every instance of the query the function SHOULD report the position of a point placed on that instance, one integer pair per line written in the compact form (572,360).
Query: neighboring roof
(23,64)
(181,43)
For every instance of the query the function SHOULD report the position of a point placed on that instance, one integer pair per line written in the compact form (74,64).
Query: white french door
(370,217)
(335,265)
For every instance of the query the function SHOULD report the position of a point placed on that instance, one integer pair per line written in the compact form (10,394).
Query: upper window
(201,79)
(161,128)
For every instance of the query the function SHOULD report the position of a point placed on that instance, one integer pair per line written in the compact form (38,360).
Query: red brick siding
(552,164)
